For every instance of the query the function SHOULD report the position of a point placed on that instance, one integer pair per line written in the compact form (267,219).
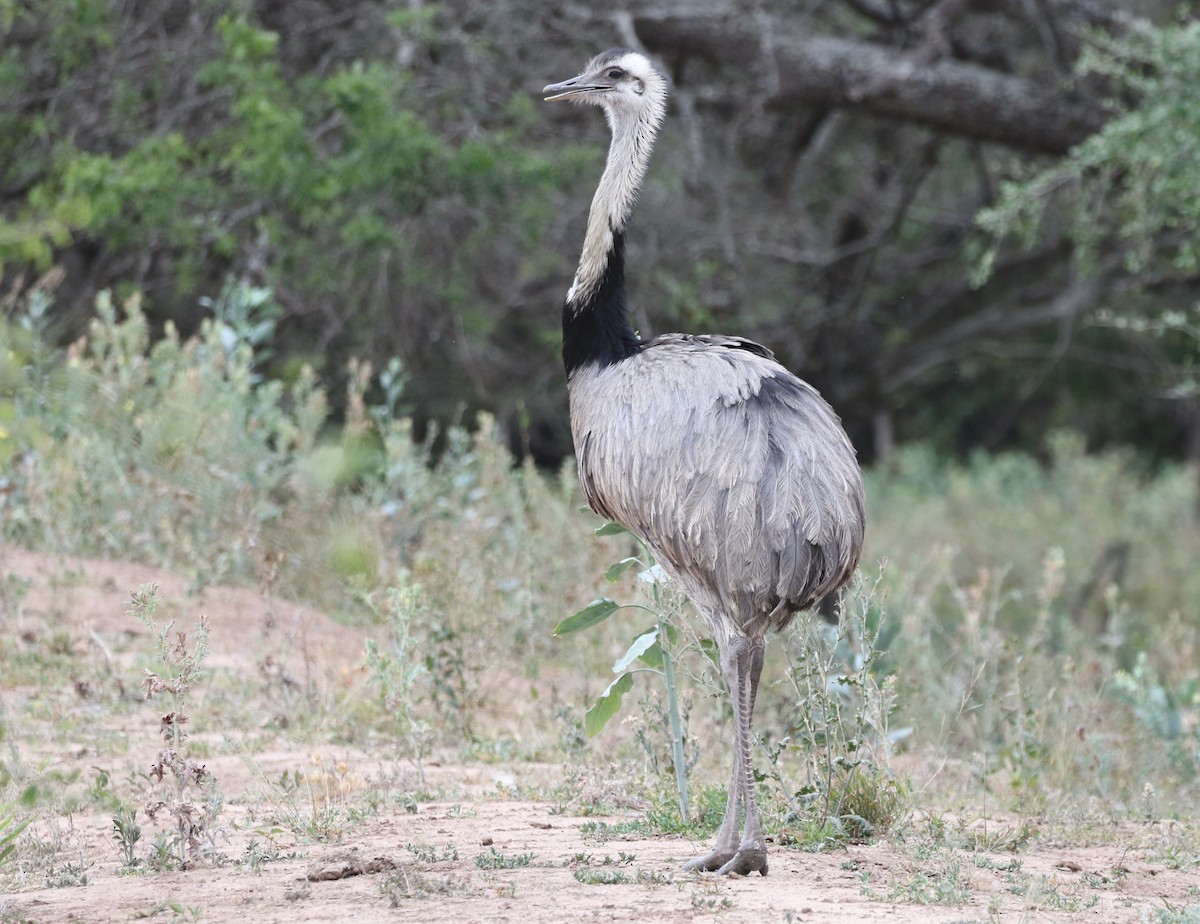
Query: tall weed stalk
(843,703)
(177,773)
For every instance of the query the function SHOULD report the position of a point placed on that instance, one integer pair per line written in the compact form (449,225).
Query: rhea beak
(576,88)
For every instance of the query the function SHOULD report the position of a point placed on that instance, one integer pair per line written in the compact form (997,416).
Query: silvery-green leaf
(640,646)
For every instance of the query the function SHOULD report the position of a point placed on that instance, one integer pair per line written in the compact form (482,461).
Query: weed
(982,861)
(653,649)
(600,876)
(813,834)
(948,885)
(1052,893)
(68,875)
(176,772)
(175,908)
(651,877)
(13,590)
(127,832)
(396,668)
(1169,914)
(11,827)
(10,914)
(406,883)
(841,726)
(100,792)
(663,813)
(599,832)
(163,853)
(254,857)
(494,859)
(429,853)
(707,897)
(317,802)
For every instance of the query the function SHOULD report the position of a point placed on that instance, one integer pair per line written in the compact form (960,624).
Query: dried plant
(177,774)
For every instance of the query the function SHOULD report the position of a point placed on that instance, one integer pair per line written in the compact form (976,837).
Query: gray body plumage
(735,473)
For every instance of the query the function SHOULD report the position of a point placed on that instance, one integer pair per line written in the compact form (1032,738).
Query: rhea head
(620,81)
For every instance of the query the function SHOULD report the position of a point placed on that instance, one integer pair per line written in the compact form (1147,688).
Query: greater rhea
(736,474)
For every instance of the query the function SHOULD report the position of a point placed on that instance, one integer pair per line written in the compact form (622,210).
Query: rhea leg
(751,855)
(741,663)
(727,835)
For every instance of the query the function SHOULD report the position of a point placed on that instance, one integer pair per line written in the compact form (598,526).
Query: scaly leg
(751,853)
(727,836)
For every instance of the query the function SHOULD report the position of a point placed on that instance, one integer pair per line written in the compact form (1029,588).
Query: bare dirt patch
(479,851)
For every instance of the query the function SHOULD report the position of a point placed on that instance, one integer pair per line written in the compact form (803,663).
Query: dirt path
(426,867)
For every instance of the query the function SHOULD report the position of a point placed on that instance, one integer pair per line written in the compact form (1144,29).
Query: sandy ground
(457,859)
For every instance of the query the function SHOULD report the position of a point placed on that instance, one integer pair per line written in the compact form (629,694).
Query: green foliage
(348,187)
(497,859)
(841,728)
(594,613)
(166,445)
(396,667)
(1170,914)
(1170,710)
(663,813)
(11,826)
(652,648)
(607,704)
(1106,513)
(127,832)
(1136,182)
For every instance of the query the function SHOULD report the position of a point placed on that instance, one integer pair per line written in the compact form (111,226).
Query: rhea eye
(615,73)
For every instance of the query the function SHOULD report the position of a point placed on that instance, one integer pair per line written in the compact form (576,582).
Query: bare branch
(952,96)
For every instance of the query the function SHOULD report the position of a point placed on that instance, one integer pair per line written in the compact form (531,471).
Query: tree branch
(952,96)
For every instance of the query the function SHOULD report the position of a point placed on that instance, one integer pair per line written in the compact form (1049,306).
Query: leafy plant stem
(668,668)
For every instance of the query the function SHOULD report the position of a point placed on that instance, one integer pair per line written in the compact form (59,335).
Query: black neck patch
(598,331)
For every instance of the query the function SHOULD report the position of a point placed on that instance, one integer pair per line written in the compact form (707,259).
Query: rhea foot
(711,861)
(724,861)
(746,861)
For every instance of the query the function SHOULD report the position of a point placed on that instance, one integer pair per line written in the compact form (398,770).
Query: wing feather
(736,473)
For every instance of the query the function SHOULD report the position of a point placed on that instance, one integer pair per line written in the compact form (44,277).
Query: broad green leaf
(610,529)
(607,705)
(652,656)
(640,646)
(594,612)
(616,569)
(709,647)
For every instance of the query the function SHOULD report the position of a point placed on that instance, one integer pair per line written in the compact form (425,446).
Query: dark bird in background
(736,474)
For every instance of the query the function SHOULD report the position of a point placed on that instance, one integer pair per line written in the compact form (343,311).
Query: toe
(745,862)
(707,863)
